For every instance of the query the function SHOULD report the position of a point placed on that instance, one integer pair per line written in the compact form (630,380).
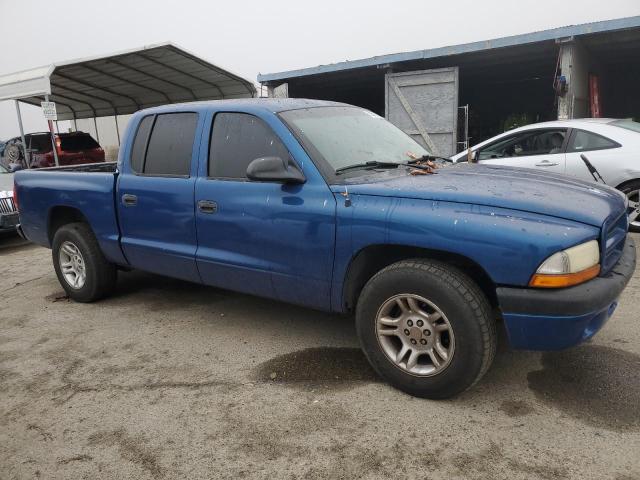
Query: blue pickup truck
(329,206)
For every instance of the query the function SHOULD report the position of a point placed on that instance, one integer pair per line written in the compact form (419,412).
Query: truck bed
(91,196)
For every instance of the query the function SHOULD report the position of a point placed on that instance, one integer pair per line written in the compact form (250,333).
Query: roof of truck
(271,104)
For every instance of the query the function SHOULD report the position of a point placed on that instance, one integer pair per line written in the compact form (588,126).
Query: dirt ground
(168,379)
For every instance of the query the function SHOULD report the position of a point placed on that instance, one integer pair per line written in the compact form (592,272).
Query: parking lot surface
(168,379)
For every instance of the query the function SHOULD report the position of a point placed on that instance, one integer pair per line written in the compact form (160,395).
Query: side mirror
(472,156)
(14,167)
(274,169)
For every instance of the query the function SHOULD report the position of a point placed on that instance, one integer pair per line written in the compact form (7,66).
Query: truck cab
(329,206)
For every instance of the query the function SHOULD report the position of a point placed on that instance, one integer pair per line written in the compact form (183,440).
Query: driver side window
(236,140)
(525,144)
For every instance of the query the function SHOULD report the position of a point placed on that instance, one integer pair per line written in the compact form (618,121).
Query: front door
(155,196)
(541,149)
(263,238)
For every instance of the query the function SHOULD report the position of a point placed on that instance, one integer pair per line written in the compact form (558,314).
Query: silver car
(8,212)
(611,146)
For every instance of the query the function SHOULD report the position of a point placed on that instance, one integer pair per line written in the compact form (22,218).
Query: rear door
(602,152)
(541,149)
(155,195)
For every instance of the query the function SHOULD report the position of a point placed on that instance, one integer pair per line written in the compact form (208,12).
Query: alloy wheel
(72,265)
(415,335)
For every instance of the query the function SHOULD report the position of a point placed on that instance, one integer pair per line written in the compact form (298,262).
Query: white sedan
(611,146)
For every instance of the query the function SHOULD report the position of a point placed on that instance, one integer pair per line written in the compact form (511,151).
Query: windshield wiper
(411,163)
(370,164)
(424,158)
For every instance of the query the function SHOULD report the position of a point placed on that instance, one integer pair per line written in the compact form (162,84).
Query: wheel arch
(60,216)
(627,182)
(373,258)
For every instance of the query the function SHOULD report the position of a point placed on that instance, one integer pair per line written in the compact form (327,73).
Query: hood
(501,187)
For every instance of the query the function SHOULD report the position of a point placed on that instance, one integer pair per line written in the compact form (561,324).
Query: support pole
(57,127)
(115,117)
(53,137)
(24,144)
(75,124)
(95,124)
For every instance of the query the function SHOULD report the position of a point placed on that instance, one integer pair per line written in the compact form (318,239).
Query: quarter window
(236,140)
(582,141)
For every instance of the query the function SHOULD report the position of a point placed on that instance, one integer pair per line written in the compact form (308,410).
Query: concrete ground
(168,379)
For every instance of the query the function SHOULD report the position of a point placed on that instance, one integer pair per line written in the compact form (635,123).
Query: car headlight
(569,267)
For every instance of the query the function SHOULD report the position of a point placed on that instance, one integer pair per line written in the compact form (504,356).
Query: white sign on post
(49,110)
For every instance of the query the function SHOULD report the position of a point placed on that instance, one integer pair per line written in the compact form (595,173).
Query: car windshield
(346,136)
(627,124)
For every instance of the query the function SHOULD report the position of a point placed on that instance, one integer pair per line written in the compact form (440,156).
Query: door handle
(207,206)
(547,163)
(129,200)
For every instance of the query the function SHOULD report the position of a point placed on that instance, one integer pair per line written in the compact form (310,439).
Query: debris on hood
(422,165)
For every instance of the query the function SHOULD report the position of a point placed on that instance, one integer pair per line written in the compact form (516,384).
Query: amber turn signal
(565,280)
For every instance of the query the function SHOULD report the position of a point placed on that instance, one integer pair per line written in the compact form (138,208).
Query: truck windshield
(346,136)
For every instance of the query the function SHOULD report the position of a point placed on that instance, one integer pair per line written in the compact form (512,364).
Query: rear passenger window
(582,141)
(139,144)
(171,145)
(236,140)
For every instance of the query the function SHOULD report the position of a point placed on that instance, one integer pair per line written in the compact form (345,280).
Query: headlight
(569,267)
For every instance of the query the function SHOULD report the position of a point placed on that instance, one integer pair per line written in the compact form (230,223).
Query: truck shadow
(597,385)
(11,242)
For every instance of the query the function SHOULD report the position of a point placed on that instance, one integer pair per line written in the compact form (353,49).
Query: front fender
(509,245)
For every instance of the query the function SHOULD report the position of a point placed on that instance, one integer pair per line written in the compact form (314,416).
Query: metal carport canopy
(124,82)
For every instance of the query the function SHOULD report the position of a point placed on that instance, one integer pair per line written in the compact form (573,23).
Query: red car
(73,149)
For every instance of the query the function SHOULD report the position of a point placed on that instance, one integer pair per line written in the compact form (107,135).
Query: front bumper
(541,319)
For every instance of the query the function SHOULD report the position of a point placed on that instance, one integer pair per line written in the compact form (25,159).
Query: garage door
(424,104)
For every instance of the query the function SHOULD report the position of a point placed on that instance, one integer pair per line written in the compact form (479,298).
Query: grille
(7,205)
(614,234)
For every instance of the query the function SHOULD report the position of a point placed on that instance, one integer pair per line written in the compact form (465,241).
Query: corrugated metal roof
(125,82)
(515,40)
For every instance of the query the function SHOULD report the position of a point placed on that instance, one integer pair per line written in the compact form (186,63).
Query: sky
(248,37)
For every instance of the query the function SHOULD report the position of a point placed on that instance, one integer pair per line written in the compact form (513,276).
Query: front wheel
(82,270)
(426,328)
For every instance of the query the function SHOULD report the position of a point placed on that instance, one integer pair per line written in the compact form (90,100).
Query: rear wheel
(426,328)
(632,191)
(82,270)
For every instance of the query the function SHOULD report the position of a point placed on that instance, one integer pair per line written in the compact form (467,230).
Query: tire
(465,330)
(632,191)
(77,240)
(14,154)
